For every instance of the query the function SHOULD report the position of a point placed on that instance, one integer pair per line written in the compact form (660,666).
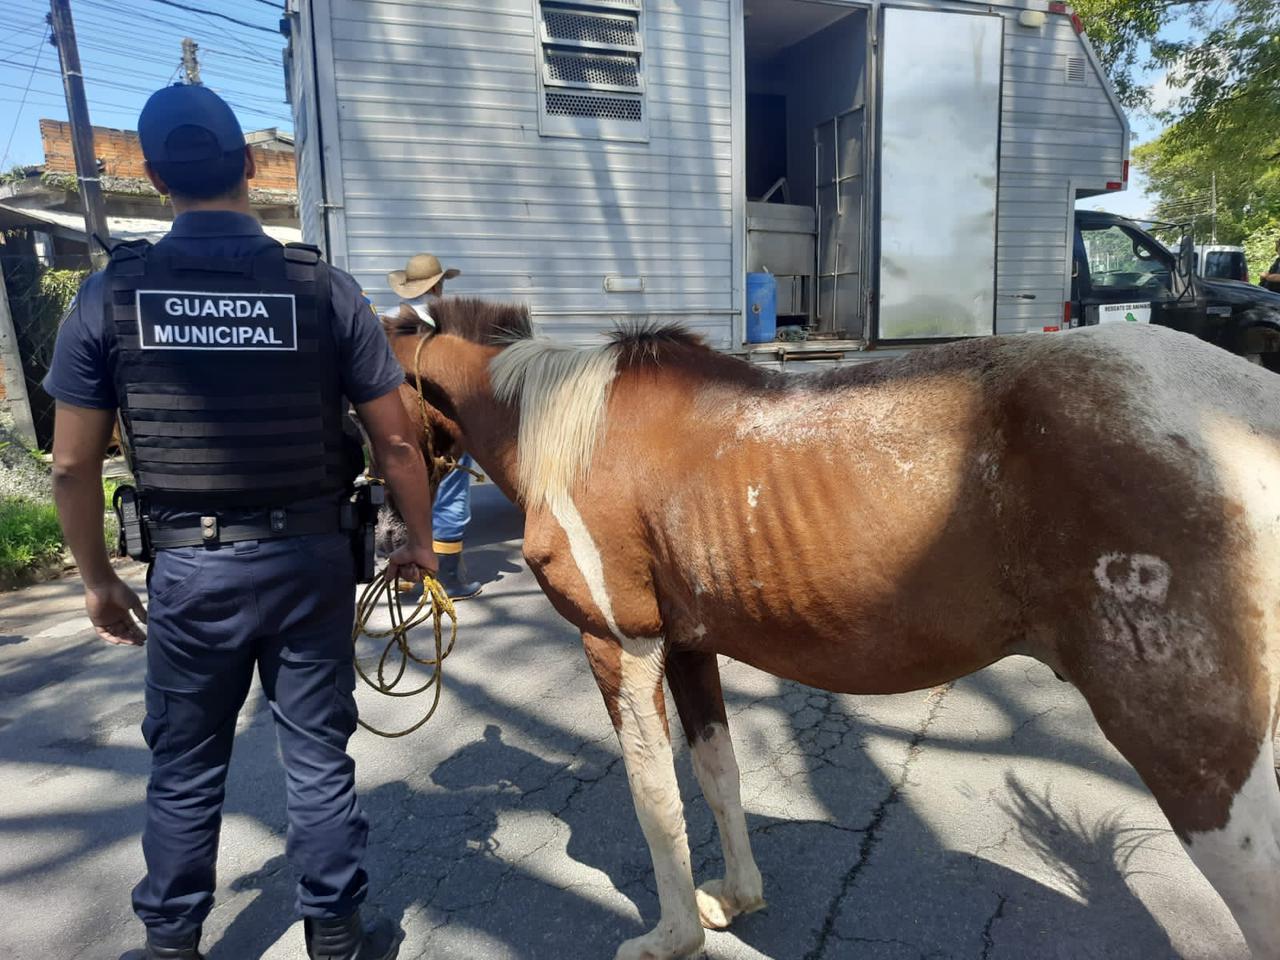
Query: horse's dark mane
(480,321)
(652,342)
(483,321)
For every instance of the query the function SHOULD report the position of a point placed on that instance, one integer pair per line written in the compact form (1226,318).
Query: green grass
(29,536)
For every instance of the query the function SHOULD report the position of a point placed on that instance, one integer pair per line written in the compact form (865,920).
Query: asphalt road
(985,819)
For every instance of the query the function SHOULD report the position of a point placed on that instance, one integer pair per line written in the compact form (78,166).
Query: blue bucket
(762,307)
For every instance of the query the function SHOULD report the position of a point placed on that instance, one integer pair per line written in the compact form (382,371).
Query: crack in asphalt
(871,833)
(1030,720)
(988,942)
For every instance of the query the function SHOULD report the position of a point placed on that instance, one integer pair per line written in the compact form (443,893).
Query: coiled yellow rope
(433,605)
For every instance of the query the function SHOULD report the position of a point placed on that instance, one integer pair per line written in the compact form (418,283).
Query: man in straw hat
(421,279)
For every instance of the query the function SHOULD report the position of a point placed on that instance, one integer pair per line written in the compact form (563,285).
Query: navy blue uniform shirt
(83,363)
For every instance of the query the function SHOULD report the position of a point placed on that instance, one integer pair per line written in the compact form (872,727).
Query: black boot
(153,951)
(453,577)
(349,939)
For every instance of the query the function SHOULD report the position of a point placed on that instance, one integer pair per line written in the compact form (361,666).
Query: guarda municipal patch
(184,320)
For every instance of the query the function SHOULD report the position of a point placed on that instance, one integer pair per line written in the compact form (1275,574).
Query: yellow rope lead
(433,605)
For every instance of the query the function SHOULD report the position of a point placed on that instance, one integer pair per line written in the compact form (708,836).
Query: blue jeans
(452,510)
(281,607)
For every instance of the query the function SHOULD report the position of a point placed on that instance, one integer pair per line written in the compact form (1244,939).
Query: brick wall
(121,154)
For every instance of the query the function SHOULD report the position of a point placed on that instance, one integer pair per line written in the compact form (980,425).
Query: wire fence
(40,291)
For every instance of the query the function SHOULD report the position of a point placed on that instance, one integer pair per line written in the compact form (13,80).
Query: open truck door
(1124,275)
(938,173)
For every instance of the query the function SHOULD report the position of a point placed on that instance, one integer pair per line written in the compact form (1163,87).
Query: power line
(111,84)
(23,104)
(240,56)
(243,44)
(262,109)
(48,95)
(126,112)
(109,11)
(211,13)
(38,25)
(21,51)
(16,36)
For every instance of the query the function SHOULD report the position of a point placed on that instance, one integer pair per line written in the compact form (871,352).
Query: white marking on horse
(1132,613)
(1129,577)
(646,750)
(741,890)
(1242,860)
(586,555)
(753,496)
(656,794)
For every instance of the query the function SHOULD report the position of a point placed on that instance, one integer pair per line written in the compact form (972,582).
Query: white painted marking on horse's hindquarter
(1134,616)
(1129,577)
(1242,860)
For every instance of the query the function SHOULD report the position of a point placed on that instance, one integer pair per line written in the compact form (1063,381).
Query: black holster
(133,540)
(359,517)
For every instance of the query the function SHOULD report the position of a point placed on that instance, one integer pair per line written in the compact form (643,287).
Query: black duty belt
(273,525)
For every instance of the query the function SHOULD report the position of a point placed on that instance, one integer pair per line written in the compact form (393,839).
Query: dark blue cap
(187,124)
(192,139)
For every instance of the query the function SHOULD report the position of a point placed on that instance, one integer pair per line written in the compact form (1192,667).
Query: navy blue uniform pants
(283,608)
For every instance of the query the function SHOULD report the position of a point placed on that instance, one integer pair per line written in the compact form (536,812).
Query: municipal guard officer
(228,358)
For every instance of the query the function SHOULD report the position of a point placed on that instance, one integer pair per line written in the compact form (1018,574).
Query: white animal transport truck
(907,171)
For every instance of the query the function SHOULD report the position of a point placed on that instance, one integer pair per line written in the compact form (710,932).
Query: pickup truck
(1120,273)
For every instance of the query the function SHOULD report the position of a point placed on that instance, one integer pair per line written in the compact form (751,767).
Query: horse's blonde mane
(561,393)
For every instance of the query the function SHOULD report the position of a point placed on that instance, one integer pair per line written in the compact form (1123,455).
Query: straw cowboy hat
(421,274)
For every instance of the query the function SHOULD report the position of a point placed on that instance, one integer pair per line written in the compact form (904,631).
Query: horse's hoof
(716,909)
(662,944)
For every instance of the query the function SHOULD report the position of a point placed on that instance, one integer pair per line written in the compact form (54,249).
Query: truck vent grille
(593,69)
(589,28)
(601,108)
(1075,70)
(591,64)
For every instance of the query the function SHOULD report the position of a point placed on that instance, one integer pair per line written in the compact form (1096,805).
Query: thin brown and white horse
(1107,501)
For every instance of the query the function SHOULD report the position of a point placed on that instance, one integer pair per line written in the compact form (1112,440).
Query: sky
(129,48)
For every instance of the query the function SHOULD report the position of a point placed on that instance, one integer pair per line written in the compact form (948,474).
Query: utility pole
(190,65)
(95,212)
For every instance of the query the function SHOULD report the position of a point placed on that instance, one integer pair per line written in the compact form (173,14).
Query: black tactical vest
(227,376)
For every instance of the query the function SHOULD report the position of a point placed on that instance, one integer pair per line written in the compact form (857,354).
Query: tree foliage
(1223,117)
